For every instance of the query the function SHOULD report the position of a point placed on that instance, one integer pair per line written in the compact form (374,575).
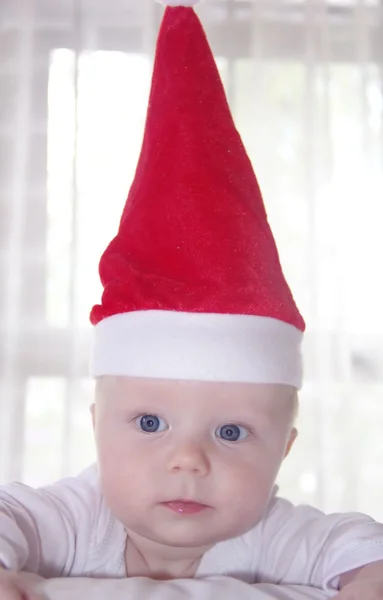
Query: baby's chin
(191,533)
(199,540)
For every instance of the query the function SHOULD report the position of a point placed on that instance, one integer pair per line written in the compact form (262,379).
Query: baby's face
(189,464)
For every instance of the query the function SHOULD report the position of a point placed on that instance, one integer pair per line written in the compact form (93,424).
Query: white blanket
(223,588)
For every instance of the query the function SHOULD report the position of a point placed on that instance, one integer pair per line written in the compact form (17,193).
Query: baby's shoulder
(73,496)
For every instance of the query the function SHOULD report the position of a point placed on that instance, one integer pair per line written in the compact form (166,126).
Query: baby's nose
(189,456)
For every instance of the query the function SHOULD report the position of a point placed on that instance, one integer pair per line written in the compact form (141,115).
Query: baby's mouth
(185,507)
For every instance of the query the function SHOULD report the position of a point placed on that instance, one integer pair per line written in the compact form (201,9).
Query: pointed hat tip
(179,2)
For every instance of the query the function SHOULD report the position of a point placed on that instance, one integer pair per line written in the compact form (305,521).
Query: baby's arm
(213,588)
(301,545)
(39,528)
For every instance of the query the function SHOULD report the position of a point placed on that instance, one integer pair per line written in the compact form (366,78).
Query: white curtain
(305,82)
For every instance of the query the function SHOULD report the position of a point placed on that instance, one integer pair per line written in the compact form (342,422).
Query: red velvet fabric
(194,234)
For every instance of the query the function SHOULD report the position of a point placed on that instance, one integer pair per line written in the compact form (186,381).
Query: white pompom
(179,2)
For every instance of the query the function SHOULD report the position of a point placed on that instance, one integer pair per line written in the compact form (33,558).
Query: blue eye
(151,424)
(232,433)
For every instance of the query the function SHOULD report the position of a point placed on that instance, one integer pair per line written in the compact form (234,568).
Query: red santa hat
(193,286)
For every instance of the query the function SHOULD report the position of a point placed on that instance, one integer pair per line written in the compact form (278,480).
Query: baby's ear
(93,413)
(292,438)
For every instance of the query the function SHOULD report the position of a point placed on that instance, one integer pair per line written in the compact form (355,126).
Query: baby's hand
(18,586)
(372,590)
(363,584)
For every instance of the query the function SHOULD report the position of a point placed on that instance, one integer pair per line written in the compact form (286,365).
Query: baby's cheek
(247,493)
(111,441)
(254,479)
(120,480)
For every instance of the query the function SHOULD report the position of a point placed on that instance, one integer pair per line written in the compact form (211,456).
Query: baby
(197,360)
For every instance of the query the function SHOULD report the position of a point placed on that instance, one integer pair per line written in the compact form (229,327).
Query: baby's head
(219,445)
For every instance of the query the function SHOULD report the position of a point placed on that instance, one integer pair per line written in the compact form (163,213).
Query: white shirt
(66,530)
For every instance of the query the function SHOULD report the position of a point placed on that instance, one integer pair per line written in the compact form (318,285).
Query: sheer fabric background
(305,82)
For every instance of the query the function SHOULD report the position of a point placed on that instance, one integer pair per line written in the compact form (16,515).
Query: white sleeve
(40,529)
(303,546)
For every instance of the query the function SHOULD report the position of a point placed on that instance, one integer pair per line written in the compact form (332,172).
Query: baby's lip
(185,506)
(185,501)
